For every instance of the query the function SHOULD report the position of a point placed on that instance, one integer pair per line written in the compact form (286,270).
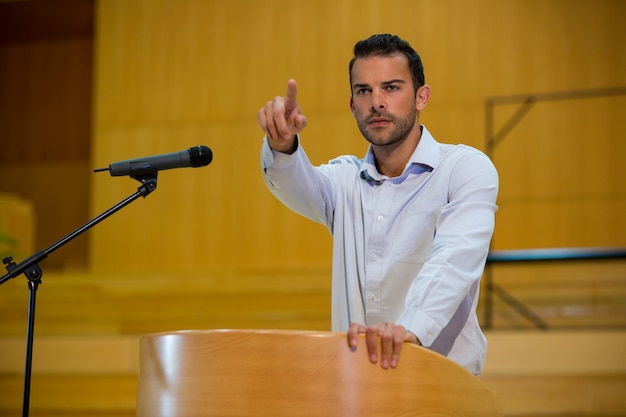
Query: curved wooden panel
(297,373)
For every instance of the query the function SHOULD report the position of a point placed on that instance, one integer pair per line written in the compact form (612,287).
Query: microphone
(195,157)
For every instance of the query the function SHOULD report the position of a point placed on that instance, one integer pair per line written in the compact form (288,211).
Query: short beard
(402,128)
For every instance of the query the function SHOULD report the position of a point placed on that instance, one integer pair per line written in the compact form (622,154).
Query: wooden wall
(170,75)
(46,77)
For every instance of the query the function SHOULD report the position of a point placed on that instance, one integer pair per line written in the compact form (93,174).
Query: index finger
(292,90)
(353,333)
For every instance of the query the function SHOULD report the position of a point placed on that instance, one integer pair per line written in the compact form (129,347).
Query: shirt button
(374,258)
(371,296)
(380,218)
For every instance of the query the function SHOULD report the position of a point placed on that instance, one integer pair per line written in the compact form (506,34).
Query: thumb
(299,122)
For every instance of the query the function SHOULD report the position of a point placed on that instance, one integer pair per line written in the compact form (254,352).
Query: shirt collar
(424,158)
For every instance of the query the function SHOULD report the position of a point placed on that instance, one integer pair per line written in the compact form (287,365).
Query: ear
(352,106)
(421,99)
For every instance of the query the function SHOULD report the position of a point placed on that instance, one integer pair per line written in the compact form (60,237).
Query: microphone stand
(30,268)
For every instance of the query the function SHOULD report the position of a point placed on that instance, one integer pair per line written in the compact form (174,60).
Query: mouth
(378,121)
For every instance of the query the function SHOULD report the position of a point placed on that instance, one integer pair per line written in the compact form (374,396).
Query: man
(411,221)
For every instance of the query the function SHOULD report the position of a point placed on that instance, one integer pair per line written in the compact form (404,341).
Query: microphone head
(200,156)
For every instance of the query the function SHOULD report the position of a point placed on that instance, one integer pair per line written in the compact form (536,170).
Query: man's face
(383,100)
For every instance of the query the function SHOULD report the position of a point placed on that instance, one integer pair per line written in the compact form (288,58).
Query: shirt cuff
(424,327)
(274,159)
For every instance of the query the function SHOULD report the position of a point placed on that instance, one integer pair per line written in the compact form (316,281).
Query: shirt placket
(376,254)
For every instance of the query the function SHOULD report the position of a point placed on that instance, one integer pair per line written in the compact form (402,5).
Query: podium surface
(298,373)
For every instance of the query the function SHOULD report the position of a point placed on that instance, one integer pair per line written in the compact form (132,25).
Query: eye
(361,91)
(392,87)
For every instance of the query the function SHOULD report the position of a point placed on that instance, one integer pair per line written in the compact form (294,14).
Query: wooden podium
(225,373)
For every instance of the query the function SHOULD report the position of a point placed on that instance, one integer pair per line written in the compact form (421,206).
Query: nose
(378,102)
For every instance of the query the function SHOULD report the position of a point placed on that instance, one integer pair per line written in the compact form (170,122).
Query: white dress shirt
(408,250)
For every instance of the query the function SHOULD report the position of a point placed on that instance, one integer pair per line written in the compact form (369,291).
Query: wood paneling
(37,20)
(70,395)
(45,117)
(177,74)
(132,304)
(17,226)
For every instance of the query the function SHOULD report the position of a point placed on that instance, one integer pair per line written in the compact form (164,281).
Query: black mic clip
(148,183)
(147,176)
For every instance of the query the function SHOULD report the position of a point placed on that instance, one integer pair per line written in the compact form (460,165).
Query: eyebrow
(384,83)
(396,81)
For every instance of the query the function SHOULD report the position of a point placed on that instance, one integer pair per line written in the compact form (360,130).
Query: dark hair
(386,44)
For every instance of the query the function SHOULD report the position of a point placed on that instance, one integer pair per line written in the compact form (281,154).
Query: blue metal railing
(535,255)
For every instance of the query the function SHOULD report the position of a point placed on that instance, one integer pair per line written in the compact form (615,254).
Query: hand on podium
(389,336)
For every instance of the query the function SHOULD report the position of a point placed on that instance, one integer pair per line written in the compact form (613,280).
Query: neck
(391,159)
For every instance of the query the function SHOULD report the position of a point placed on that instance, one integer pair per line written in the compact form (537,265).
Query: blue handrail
(554,254)
(536,255)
